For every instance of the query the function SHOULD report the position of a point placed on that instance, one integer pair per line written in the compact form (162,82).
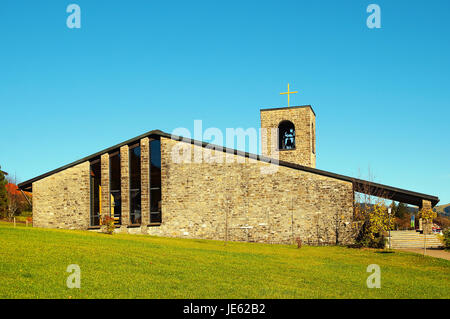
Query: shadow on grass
(385,252)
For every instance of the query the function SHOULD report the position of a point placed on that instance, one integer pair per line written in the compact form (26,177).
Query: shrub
(378,242)
(299,242)
(109,226)
(367,238)
(446,239)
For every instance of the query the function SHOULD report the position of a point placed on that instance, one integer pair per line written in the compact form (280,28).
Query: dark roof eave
(27,184)
(406,196)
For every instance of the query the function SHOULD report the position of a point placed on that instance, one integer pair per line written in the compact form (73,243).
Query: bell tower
(290,133)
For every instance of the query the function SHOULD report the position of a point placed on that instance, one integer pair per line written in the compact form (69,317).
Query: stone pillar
(125,186)
(145,183)
(427,226)
(104,182)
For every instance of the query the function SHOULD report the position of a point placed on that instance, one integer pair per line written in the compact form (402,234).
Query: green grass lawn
(33,264)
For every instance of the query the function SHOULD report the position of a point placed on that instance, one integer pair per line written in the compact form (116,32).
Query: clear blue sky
(381,95)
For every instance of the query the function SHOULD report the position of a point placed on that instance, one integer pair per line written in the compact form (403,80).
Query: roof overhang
(359,185)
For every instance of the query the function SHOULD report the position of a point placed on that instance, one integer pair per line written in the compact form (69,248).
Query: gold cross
(288,93)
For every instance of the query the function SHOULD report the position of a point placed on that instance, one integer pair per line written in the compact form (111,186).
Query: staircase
(413,239)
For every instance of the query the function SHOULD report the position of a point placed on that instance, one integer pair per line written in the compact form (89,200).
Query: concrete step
(413,239)
(413,247)
(431,240)
(415,243)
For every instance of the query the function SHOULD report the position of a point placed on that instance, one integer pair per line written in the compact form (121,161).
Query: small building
(166,185)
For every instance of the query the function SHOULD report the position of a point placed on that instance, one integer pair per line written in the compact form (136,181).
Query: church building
(275,197)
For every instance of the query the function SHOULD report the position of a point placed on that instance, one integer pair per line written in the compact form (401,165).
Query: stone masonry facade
(304,121)
(236,199)
(231,200)
(62,200)
(145,182)
(104,178)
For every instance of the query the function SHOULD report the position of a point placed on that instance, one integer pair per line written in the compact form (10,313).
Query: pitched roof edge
(434,200)
(289,107)
(28,183)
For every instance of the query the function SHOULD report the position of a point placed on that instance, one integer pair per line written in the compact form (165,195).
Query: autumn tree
(401,211)
(371,211)
(427,215)
(401,216)
(3,195)
(378,221)
(14,199)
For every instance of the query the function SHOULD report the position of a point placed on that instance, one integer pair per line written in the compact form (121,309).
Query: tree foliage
(378,220)
(427,214)
(3,195)
(376,223)
(401,211)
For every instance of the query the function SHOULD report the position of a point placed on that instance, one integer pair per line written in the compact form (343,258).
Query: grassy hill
(33,264)
(443,209)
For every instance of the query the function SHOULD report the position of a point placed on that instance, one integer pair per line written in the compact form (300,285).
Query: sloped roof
(359,185)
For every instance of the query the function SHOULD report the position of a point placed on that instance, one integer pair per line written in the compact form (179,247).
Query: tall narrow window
(286,135)
(155,181)
(135,184)
(313,133)
(114,181)
(95,193)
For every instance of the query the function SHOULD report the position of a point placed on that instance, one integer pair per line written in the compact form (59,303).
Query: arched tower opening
(286,135)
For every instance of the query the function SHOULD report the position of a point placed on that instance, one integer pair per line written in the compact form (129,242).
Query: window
(313,133)
(155,181)
(114,183)
(286,136)
(135,184)
(95,193)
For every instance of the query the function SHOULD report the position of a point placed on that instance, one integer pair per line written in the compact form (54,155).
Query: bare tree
(367,196)
(14,201)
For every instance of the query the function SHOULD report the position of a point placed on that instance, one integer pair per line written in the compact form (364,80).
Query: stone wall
(304,121)
(239,201)
(104,180)
(62,200)
(225,197)
(145,182)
